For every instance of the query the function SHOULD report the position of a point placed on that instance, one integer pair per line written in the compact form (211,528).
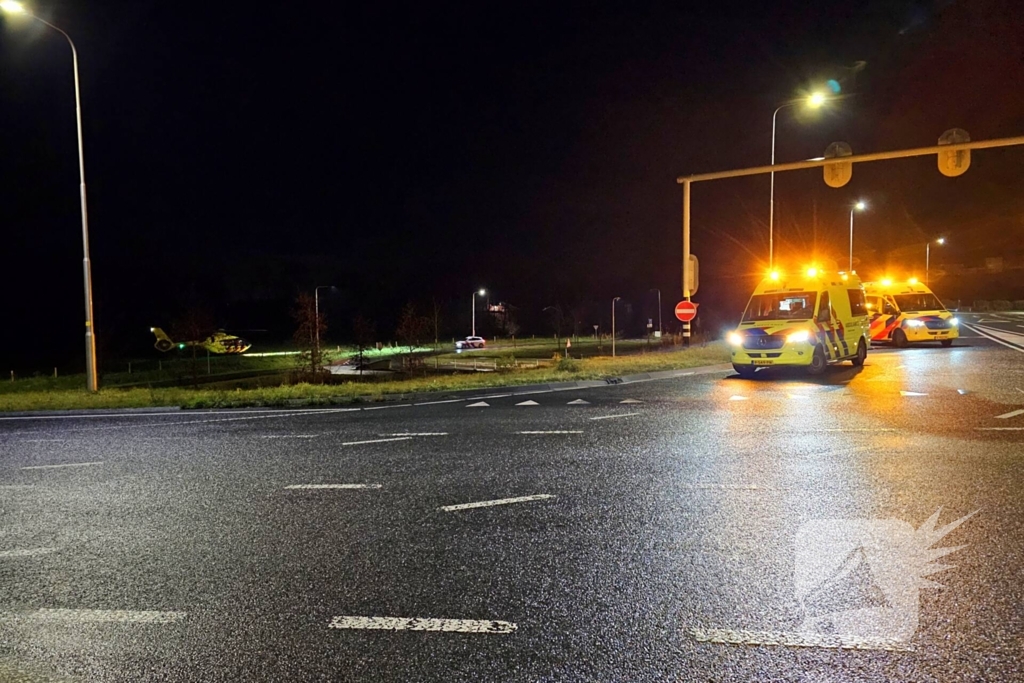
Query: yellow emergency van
(906,312)
(810,318)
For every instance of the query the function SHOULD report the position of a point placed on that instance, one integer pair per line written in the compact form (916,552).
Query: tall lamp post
(613,324)
(316,306)
(928,256)
(659,310)
(91,371)
(481,292)
(859,206)
(813,101)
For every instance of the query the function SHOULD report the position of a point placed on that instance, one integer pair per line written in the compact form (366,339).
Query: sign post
(686,311)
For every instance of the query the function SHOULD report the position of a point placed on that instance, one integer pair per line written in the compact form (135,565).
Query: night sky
(238,154)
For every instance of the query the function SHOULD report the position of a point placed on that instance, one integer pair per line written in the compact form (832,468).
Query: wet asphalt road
(671,548)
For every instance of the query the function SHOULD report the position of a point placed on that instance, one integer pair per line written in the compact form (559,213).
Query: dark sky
(236,155)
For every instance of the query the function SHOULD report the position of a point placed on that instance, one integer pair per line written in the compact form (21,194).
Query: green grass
(41,397)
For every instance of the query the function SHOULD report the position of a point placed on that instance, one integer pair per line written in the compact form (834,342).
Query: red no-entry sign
(686,311)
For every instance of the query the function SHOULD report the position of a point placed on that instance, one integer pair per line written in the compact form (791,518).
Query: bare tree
(438,310)
(412,328)
(310,329)
(366,333)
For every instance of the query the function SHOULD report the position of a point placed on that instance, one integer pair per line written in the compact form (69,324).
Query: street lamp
(859,206)
(928,256)
(316,305)
(481,293)
(659,310)
(91,372)
(813,101)
(613,324)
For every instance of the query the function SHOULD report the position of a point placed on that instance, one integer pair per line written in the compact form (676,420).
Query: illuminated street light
(928,256)
(859,206)
(481,293)
(91,370)
(813,101)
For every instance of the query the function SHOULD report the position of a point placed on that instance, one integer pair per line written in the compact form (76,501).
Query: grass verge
(308,394)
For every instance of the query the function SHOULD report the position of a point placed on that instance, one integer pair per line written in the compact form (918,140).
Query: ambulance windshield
(912,303)
(782,306)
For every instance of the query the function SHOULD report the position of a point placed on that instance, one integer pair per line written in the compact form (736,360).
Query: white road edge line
(612,417)
(489,503)
(556,431)
(795,639)
(999,429)
(333,486)
(69,464)
(402,405)
(100,616)
(415,624)
(360,443)
(1012,413)
(434,403)
(995,339)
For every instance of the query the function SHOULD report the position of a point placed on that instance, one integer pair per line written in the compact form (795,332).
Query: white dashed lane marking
(413,624)
(360,443)
(911,393)
(419,434)
(26,552)
(1012,413)
(556,431)
(68,464)
(611,417)
(490,503)
(102,616)
(792,639)
(333,486)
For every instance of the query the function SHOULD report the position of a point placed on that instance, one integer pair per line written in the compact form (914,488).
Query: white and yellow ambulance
(906,312)
(810,318)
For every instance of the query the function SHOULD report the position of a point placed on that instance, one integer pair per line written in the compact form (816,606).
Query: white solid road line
(630,400)
(1012,343)
(737,398)
(360,443)
(612,417)
(794,639)
(69,464)
(1012,413)
(333,486)
(419,434)
(401,405)
(413,624)
(434,403)
(287,436)
(999,429)
(489,503)
(911,393)
(26,552)
(555,431)
(104,616)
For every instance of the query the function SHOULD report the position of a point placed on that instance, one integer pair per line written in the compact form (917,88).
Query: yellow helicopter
(218,342)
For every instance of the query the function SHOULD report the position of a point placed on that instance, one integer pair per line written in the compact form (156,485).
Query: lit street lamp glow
(813,101)
(859,206)
(928,257)
(481,293)
(91,368)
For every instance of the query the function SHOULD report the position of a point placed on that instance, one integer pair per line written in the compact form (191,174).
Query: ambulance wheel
(946,342)
(744,371)
(862,354)
(818,362)
(899,339)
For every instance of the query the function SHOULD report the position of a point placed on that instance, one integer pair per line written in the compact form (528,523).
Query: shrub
(567,365)
(1018,305)
(982,306)
(1000,305)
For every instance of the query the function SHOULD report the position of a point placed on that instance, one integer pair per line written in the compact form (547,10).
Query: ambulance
(810,319)
(907,312)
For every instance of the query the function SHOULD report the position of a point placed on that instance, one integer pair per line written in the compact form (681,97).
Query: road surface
(705,528)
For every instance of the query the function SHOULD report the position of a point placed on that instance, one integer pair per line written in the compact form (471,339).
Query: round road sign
(686,311)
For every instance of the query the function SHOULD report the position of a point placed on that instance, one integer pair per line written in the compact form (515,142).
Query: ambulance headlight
(798,337)
(734,339)
(953,322)
(914,323)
